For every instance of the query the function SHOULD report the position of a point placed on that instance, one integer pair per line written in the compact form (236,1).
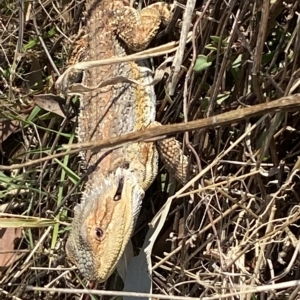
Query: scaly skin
(103,224)
(105,219)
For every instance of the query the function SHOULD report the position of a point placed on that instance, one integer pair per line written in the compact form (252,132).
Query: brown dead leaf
(34,77)
(8,127)
(9,242)
(51,103)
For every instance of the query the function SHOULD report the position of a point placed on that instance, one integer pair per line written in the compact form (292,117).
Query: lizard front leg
(170,152)
(173,158)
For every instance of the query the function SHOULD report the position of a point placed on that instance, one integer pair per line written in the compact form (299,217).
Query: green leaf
(267,57)
(237,63)
(30,44)
(211,47)
(215,43)
(215,38)
(235,67)
(33,115)
(222,97)
(51,32)
(202,63)
(73,176)
(28,222)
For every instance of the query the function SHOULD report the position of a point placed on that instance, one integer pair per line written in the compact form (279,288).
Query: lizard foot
(138,29)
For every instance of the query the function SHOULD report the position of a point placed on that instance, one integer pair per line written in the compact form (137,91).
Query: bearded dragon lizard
(105,219)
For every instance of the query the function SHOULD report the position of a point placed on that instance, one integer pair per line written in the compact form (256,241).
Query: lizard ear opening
(126,165)
(119,189)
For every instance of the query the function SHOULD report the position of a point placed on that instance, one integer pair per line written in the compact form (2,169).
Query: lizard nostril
(99,233)
(118,194)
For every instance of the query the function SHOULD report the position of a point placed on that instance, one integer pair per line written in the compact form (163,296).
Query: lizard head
(103,224)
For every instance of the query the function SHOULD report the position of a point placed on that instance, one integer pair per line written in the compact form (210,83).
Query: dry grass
(237,227)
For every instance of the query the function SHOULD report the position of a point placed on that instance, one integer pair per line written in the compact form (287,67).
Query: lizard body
(104,220)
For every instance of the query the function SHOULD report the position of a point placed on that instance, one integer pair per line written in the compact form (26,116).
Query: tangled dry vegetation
(234,228)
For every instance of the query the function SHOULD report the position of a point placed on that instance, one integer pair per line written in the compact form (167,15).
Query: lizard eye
(119,189)
(99,233)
